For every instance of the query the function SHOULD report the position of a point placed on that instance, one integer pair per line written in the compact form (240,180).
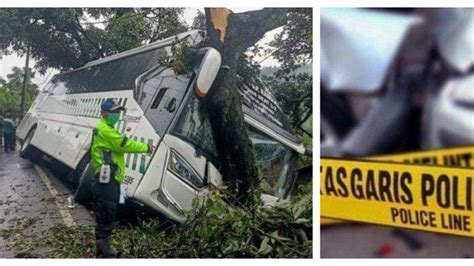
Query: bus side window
(164,94)
(158,98)
(149,90)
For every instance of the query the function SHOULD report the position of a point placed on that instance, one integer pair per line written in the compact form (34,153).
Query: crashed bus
(162,109)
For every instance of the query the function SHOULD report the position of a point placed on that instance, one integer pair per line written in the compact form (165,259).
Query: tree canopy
(292,80)
(76,39)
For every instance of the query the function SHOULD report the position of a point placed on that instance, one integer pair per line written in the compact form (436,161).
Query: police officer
(107,153)
(1,130)
(8,133)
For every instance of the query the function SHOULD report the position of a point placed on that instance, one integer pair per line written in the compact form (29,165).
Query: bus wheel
(28,151)
(74,177)
(83,193)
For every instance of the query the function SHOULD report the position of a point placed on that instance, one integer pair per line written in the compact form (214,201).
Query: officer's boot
(104,249)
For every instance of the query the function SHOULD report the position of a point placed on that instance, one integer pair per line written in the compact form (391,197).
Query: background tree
(10,91)
(76,40)
(293,46)
(199,21)
(292,80)
(295,96)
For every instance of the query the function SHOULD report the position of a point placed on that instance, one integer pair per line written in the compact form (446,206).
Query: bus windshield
(272,157)
(194,126)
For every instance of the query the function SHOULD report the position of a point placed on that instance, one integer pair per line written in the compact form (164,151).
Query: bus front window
(194,127)
(273,158)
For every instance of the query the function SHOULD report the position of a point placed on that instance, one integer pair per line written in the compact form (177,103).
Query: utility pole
(25,82)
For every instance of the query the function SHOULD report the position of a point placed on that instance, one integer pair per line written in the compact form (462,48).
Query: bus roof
(195,37)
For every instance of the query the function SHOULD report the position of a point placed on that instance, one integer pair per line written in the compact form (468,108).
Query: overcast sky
(8,62)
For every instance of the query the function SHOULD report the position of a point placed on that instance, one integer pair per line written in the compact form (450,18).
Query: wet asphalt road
(28,208)
(368,241)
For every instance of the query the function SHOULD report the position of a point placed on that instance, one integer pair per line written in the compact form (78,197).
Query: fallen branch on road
(215,229)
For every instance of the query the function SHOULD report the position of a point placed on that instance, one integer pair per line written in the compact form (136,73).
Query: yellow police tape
(407,194)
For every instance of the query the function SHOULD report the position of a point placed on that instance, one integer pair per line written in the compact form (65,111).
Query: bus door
(160,98)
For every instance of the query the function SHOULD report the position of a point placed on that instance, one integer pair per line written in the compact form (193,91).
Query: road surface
(32,200)
(368,241)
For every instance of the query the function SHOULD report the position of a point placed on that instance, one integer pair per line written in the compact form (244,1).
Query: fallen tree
(232,34)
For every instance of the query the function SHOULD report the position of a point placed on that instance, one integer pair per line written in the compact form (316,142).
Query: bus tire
(28,151)
(83,193)
(74,177)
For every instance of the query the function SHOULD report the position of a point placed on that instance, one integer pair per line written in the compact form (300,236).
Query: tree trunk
(25,81)
(231,34)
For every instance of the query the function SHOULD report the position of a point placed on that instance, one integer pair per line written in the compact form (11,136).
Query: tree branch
(157,29)
(305,131)
(307,115)
(78,26)
(260,21)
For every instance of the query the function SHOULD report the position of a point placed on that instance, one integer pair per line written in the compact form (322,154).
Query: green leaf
(303,221)
(298,210)
(276,236)
(265,247)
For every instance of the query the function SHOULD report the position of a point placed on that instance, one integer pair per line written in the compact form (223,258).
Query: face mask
(113,118)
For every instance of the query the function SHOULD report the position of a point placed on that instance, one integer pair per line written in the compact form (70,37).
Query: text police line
(457,156)
(432,198)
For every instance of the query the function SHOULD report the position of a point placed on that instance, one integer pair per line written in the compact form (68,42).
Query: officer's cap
(111,105)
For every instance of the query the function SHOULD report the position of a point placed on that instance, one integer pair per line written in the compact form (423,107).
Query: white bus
(162,109)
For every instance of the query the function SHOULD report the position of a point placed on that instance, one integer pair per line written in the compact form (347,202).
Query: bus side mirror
(207,71)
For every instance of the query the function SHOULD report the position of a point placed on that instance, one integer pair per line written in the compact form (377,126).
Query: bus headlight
(180,168)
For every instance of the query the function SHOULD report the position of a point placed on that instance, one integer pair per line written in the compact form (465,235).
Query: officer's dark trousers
(9,141)
(106,200)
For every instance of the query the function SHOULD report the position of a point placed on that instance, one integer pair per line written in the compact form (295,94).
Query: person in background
(1,130)
(8,129)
